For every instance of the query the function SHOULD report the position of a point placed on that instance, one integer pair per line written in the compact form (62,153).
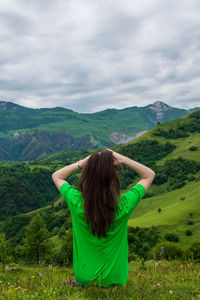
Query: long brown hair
(100,188)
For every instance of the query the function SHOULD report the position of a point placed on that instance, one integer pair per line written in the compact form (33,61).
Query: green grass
(151,280)
(175,212)
(182,144)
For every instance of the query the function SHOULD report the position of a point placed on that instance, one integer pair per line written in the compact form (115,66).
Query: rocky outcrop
(122,138)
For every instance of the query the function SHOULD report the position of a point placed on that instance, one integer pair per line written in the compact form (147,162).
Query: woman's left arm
(60,175)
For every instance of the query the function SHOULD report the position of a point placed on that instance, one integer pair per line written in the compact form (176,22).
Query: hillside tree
(36,243)
(5,249)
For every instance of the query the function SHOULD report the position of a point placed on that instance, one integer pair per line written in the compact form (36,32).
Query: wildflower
(44,291)
(70,282)
(0,281)
(19,287)
(170,292)
(157,285)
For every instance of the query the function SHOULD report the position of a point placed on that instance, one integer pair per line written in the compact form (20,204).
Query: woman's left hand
(83,161)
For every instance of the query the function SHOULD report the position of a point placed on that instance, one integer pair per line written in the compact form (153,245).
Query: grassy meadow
(149,280)
(175,213)
(182,144)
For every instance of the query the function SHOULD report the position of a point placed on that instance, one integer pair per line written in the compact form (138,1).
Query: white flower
(170,292)
(157,285)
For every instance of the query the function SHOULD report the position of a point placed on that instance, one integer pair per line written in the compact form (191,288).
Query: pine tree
(67,246)
(36,244)
(5,249)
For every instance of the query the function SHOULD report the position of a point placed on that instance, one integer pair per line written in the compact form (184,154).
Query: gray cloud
(91,55)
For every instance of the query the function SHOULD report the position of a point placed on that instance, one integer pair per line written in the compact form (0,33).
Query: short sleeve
(132,198)
(70,195)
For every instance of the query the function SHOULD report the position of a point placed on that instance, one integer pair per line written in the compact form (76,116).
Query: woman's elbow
(53,176)
(152,175)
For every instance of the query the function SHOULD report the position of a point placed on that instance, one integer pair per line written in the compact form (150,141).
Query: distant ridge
(29,134)
(157,105)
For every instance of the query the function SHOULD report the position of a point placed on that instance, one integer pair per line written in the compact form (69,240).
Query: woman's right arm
(146,173)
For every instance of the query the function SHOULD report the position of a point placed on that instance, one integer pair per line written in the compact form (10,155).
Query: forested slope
(175,159)
(28,134)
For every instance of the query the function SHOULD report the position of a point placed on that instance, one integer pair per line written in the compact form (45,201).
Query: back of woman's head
(100,188)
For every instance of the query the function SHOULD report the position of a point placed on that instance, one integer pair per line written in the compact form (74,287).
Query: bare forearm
(141,169)
(66,171)
(60,175)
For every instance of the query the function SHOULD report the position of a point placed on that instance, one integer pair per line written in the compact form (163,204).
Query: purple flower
(71,282)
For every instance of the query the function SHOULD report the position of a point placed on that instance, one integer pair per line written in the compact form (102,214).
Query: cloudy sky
(89,55)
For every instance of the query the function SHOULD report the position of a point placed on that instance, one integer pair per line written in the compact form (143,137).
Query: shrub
(61,232)
(67,247)
(170,133)
(141,240)
(167,250)
(188,232)
(190,222)
(193,148)
(191,177)
(160,179)
(193,251)
(171,237)
(159,210)
(133,257)
(178,185)
(5,249)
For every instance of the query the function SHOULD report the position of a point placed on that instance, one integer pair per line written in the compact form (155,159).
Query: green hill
(172,149)
(28,134)
(178,209)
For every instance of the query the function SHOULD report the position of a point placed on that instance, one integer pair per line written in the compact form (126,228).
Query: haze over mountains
(29,134)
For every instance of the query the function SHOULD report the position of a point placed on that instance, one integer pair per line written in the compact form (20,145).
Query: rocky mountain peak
(159,107)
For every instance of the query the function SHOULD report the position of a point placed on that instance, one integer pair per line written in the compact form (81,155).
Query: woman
(100,216)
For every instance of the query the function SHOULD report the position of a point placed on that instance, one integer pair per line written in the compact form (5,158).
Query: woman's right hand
(118,157)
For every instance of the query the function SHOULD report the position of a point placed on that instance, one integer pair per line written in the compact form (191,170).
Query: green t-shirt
(104,260)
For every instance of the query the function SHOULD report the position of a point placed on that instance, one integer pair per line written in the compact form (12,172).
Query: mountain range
(171,149)
(28,134)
